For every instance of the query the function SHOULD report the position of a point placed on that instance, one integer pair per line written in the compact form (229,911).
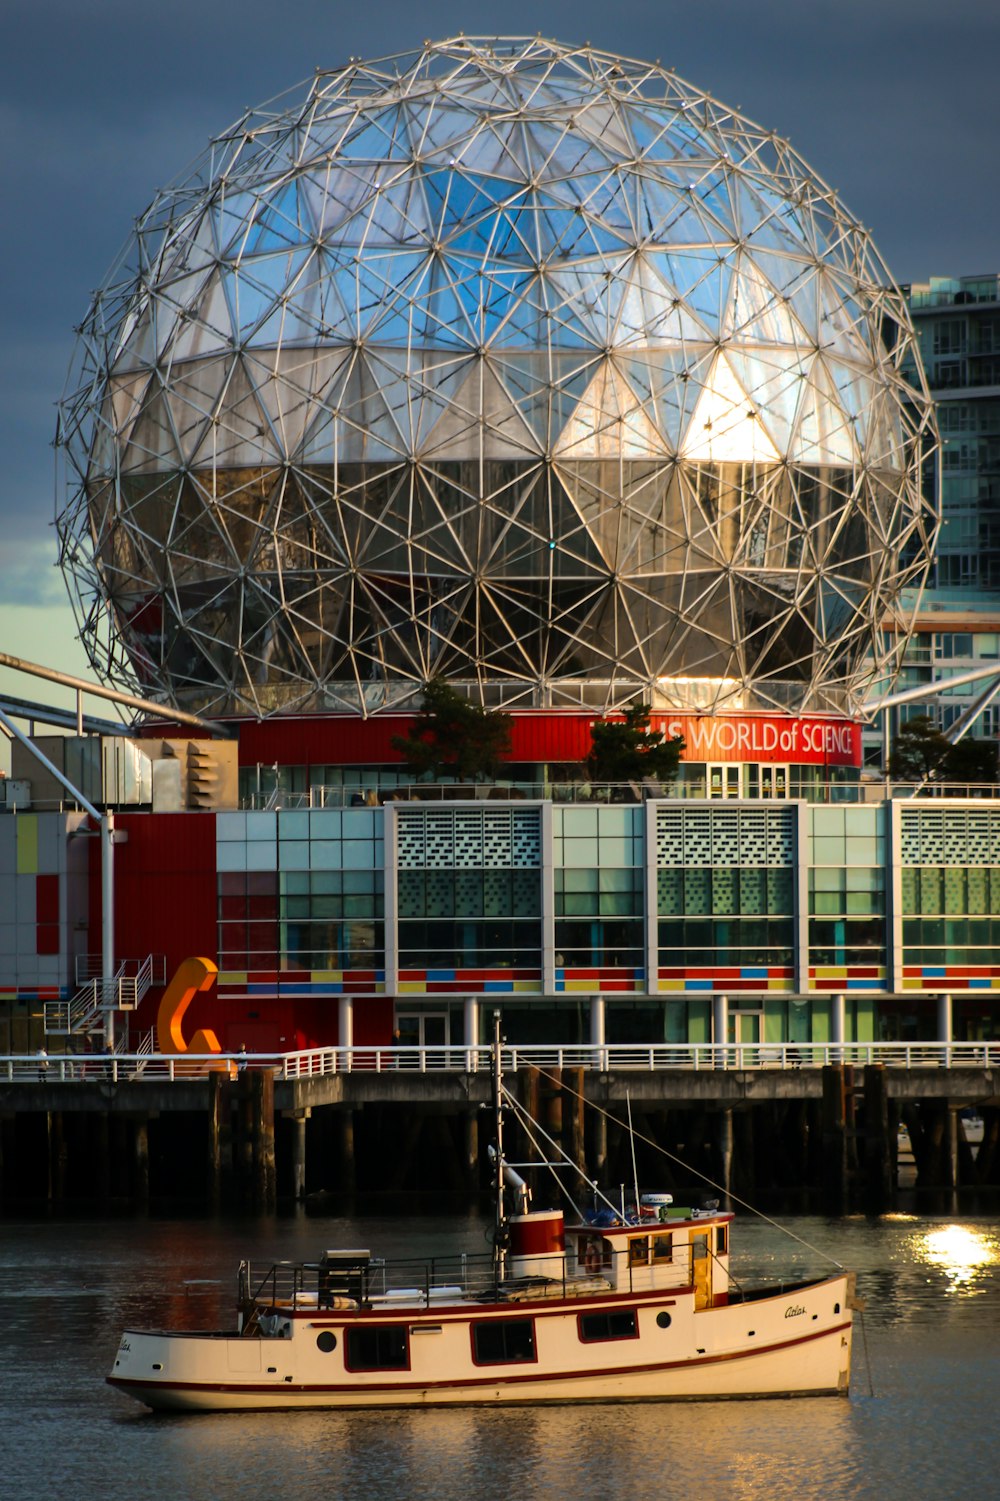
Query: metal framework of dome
(526,365)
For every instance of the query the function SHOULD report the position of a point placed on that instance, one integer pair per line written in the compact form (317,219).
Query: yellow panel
(412,987)
(524,987)
(838,973)
(672,985)
(232,977)
(27,844)
(326,976)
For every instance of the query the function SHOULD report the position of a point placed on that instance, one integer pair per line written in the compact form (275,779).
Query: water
(67,1288)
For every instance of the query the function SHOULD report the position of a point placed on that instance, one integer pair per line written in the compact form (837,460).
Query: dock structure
(248,1136)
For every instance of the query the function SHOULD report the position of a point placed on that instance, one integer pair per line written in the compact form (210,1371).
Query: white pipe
(97,690)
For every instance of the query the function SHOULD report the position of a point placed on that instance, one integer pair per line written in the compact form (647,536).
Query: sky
(892,102)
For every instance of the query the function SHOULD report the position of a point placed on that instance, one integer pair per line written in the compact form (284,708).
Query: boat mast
(500,1229)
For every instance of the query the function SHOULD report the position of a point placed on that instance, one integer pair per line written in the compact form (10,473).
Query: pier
(246,1132)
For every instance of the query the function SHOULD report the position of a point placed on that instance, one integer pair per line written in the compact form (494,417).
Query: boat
(626,1301)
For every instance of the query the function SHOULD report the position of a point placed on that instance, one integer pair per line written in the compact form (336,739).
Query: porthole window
(663,1320)
(326,1341)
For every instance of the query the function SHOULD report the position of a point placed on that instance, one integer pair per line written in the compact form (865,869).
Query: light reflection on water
(967,1254)
(66,1290)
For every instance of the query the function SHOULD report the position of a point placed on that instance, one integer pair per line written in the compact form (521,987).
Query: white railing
(313,1063)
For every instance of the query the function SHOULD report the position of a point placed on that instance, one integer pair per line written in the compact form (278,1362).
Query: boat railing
(358,1280)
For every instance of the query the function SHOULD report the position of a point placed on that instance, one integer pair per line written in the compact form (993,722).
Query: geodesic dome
(526,365)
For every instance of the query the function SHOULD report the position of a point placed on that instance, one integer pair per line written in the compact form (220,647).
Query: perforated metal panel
(950,836)
(469,838)
(725,836)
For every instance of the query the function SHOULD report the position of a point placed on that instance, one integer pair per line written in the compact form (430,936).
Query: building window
(382,1347)
(621,1323)
(503,1341)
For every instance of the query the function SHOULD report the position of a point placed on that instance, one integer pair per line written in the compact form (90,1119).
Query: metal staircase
(85,1013)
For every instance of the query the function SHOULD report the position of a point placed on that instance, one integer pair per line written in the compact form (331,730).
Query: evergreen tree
(452,737)
(923,753)
(627,750)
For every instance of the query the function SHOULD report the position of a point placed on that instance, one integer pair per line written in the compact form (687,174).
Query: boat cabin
(688,1249)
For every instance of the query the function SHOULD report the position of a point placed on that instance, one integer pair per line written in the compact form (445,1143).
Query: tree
(627,750)
(919,750)
(923,753)
(450,735)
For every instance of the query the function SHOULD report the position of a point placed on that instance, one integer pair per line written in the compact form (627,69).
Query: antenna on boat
(631,1137)
(500,1232)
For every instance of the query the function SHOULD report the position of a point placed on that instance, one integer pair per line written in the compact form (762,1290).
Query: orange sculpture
(191,977)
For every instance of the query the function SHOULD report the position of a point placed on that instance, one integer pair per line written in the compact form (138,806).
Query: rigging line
(527,1121)
(776,1224)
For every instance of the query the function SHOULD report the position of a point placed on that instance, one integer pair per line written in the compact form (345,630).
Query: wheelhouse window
(382,1347)
(638,1250)
(503,1341)
(721,1240)
(663,1248)
(618,1323)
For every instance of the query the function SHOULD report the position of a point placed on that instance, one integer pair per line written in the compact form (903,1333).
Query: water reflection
(961,1251)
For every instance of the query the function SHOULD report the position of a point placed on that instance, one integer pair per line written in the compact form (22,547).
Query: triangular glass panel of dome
(725,426)
(843,328)
(282,220)
(123,402)
(252,288)
(295,389)
(232,216)
(772,379)
(380,135)
(700,279)
(609,422)
(757,313)
(153,435)
(885,448)
(823,432)
(855,391)
(481,419)
(335,194)
(671,318)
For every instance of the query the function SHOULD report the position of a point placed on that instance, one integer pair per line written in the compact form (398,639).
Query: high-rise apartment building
(957,320)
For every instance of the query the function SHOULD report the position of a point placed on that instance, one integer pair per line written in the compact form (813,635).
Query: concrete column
(213,1146)
(345,1027)
(726,1150)
(838,1023)
(945,1023)
(834,1136)
(720,1023)
(345,1131)
(470,1146)
(299,1155)
(140,1158)
(598,1021)
(951,1147)
(470,1030)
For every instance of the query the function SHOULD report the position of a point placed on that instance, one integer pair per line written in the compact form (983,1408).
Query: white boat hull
(792,1344)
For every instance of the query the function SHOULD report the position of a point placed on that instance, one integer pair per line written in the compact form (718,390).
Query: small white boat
(629,1304)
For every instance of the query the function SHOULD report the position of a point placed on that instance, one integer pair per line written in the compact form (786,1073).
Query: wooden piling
(261,1092)
(834,1136)
(878,1174)
(140,1159)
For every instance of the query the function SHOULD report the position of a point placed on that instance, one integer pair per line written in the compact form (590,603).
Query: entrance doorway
(746,1030)
(774,781)
(724,779)
(422,1029)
